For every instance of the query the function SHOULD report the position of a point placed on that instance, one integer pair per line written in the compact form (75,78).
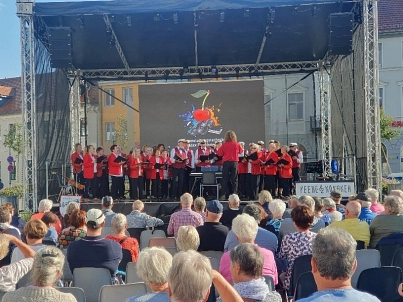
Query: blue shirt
(367,215)
(342,295)
(52,234)
(264,239)
(150,297)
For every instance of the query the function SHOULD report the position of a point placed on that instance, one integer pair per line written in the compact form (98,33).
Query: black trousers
(270,184)
(295,174)
(165,188)
(286,184)
(90,182)
(156,186)
(122,187)
(117,187)
(103,185)
(261,182)
(177,181)
(242,183)
(186,182)
(147,184)
(136,187)
(79,177)
(253,186)
(229,174)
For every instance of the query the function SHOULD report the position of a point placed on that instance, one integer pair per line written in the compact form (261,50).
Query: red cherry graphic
(201,115)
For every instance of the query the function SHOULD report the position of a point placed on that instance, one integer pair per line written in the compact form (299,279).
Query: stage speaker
(60,47)
(341,33)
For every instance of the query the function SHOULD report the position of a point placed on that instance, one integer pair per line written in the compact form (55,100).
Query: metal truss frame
(28,100)
(325,118)
(371,102)
(74,81)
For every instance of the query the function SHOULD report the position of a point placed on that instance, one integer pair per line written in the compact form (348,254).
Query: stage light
(80,21)
(214,70)
(200,73)
(237,69)
(314,11)
(157,17)
(181,73)
(112,41)
(222,16)
(175,18)
(129,20)
(246,13)
(146,76)
(202,15)
(112,18)
(166,75)
(272,15)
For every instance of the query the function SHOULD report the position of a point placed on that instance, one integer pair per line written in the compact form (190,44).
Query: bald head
(353,209)
(138,205)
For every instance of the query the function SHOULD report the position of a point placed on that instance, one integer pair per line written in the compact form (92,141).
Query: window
(380,56)
(82,127)
(128,95)
(109,100)
(381,97)
(296,106)
(110,131)
(14,172)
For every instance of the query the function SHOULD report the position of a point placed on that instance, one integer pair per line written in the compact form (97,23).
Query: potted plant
(12,194)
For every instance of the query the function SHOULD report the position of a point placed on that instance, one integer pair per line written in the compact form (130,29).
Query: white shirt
(300,158)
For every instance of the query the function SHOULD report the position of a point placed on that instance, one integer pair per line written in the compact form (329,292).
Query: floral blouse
(71,235)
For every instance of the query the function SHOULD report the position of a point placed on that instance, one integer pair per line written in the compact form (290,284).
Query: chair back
(208,178)
(215,263)
(212,254)
(147,235)
(91,279)
(67,274)
(24,281)
(360,245)
(110,293)
(107,231)
(381,282)
(131,273)
(302,264)
(165,242)
(127,257)
(136,233)
(48,241)
(77,292)
(365,259)
(305,286)
(387,252)
(398,258)
(2,295)
(270,283)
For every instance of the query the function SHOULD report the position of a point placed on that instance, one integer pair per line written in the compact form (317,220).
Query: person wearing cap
(213,233)
(202,150)
(358,229)
(336,196)
(179,161)
(366,214)
(297,160)
(106,207)
(94,250)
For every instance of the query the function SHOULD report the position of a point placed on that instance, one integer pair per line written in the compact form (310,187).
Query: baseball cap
(214,206)
(335,194)
(362,196)
(293,144)
(203,141)
(94,218)
(181,140)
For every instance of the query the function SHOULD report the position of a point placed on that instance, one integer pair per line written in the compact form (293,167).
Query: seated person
(152,267)
(76,231)
(16,221)
(94,250)
(46,270)
(245,228)
(200,207)
(138,219)
(233,210)
(188,238)
(277,208)
(5,222)
(331,210)
(69,210)
(45,205)
(50,220)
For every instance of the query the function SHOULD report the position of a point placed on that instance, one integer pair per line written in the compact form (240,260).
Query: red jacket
(153,161)
(77,168)
(257,164)
(147,169)
(286,170)
(113,167)
(103,164)
(135,169)
(243,167)
(88,166)
(229,151)
(271,169)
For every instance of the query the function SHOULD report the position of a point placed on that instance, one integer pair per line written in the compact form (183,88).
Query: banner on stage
(65,200)
(323,189)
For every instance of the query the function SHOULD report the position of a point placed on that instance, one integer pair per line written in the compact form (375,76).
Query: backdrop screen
(200,110)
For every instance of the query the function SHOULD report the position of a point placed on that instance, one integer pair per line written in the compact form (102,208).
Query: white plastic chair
(212,254)
(77,292)
(147,235)
(131,273)
(110,293)
(91,279)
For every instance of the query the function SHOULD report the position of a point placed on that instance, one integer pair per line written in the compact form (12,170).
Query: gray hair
(294,199)
(252,210)
(45,205)
(394,204)
(153,265)
(373,194)
(188,238)
(5,214)
(308,201)
(138,205)
(277,207)
(249,258)
(264,197)
(329,203)
(190,277)
(186,199)
(119,222)
(334,252)
(234,199)
(200,204)
(4,246)
(245,228)
(48,266)
(71,207)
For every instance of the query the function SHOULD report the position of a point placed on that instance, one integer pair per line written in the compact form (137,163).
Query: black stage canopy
(162,34)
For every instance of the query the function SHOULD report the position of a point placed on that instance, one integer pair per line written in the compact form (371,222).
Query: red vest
(176,164)
(207,151)
(296,164)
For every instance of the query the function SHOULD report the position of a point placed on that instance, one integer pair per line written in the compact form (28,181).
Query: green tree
(121,136)
(387,131)
(14,139)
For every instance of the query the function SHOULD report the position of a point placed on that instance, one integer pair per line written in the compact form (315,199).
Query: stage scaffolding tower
(325,117)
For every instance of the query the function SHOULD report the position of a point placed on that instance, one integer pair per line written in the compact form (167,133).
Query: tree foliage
(387,131)
(14,139)
(121,136)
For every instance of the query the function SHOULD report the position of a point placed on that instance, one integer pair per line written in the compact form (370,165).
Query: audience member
(11,274)
(200,207)
(376,207)
(292,203)
(366,214)
(45,205)
(16,221)
(351,224)
(138,219)
(188,238)
(76,231)
(398,193)
(35,231)
(337,197)
(319,208)
(212,233)
(264,218)
(106,207)
(391,222)
(288,225)
(66,218)
(5,220)
(50,219)
(119,226)
(152,267)
(264,238)
(94,250)
(184,217)
(298,243)
(331,211)
(333,263)
(46,270)
(246,271)
(245,229)
(277,208)
(233,210)
(264,198)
